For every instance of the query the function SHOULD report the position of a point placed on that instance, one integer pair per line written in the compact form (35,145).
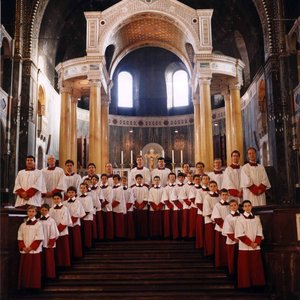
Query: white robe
(155,196)
(128,196)
(73,180)
(61,216)
(31,233)
(118,195)
(208,205)
(107,193)
(219,212)
(218,178)
(163,175)
(250,228)
(229,228)
(144,172)
(26,180)
(76,210)
(54,179)
(88,206)
(232,180)
(50,231)
(167,195)
(254,175)
(140,194)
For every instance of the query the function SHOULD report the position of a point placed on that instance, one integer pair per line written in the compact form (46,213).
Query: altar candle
(181,156)
(122,158)
(163,153)
(131,157)
(141,153)
(172,156)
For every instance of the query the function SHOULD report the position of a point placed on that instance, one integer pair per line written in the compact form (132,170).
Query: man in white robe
(217,174)
(140,169)
(161,171)
(71,178)
(54,180)
(254,180)
(29,185)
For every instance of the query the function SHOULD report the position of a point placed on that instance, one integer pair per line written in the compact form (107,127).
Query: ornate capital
(95,83)
(204,81)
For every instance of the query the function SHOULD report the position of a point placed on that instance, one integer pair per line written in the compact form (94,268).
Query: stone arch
(41,111)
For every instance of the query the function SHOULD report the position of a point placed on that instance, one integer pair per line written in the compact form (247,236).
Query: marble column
(228,127)
(95,147)
(104,131)
(74,132)
(206,133)
(65,126)
(197,139)
(236,120)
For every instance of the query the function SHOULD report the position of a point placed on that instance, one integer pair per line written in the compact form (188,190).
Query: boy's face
(71,194)
(197,180)
(189,177)
(181,179)
(108,168)
(56,199)
(44,211)
(87,181)
(224,196)
(139,180)
(139,161)
(91,170)
(205,180)
(30,164)
(94,181)
(31,213)
(83,189)
(104,179)
(69,167)
(160,164)
(200,168)
(186,168)
(213,187)
(233,206)
(116,180)
(124,181)
(247,207)
(235,158)
(172,179)
(251,155)
(156,181)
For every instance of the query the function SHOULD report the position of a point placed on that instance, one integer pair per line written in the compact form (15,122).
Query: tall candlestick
(131,157)
(181,156)
(141,153)
(122,158)
(163,153)
(173,156)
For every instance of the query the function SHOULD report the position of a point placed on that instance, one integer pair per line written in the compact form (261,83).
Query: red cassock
(48,263)
(199,231)
(75,241)
(209,239)
(129,224)
(100,224)
(87,233)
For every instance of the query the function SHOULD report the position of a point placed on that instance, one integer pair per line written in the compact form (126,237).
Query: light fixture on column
(176,131)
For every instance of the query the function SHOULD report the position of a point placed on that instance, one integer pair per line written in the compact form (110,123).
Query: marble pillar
(95,146)
(236,120)
(65,126)
(206,132)
(197,139)
(104,132)
(74,132)
(228,127)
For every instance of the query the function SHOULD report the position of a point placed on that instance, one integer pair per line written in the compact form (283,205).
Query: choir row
(35,187)
(205,214)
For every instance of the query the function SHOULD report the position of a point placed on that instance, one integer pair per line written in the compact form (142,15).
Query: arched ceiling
(63,30)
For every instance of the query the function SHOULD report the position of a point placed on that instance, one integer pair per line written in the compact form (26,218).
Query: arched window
(177,85)
(125,90)
(180,88)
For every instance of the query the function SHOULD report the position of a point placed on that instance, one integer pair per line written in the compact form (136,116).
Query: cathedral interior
(61,70)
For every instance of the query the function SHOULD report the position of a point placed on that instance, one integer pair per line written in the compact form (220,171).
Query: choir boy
(140,194)
(96,194)
(254,180)
(161,171)
(71,178)
(90,172)
(29,185)
(118,207)
(30,238)
(178,197)
(77,212)
(140,169)
(106,207)
(87,221)
(110,173)
(51,234)
(209,201)
(217,174)
(168,208)
(129,200)
(189,208)
(219,213)
(192,186)
(54,178)
(249,231)
(156,206)
(88,183)
(62,218)
(231,241)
